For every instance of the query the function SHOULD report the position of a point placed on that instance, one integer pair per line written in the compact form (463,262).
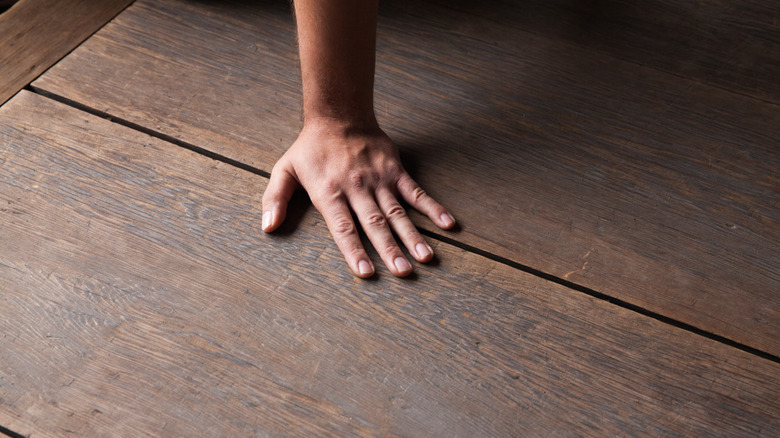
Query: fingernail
(423,250)
(268,216)
(447,220)
(402,265)
(364,268)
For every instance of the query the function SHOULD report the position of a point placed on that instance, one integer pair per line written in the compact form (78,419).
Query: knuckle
(331,188)
(357,181)
(394,168)
(375,220)
(343,227)
(395,212)
(418,194)
(406,183)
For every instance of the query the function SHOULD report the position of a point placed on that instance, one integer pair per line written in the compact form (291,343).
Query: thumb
(276,197)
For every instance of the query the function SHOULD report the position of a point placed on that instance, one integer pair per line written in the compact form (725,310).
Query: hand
(346,168)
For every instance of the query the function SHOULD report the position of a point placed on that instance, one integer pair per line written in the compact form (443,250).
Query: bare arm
(341,157)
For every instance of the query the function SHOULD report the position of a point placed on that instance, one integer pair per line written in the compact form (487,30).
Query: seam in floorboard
(11,433)
(472,249)
(68,52)
(148,131)
(602,296)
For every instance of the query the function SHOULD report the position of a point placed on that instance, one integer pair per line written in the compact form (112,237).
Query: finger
(417,198)
(403,226)
(339,220)
(276,197)
(376,228)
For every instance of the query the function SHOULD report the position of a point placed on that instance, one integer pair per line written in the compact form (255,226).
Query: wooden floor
(614,167)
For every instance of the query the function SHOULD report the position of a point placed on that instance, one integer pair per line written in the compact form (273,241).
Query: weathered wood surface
(734,44)
(140,298)
(34,34)
(650,188)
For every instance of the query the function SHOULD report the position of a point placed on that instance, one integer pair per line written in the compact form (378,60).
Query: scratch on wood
(584,264)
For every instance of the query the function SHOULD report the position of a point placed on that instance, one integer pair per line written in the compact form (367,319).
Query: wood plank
(139,298)
(34,34)
(734,44)
(655,190)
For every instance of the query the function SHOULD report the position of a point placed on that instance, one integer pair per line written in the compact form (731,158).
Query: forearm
(337,40)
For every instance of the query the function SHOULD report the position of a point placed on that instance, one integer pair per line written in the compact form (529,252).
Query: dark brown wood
(34,34)
(733,45)
(647,187)
(239,96)
(140,298)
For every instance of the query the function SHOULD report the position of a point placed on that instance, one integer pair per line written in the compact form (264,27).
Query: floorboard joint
(602,296)
(466,247)
(27,59)
(11,433)
(588,159)
(148,131)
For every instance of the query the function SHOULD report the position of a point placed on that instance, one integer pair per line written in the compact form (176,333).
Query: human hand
(346,168)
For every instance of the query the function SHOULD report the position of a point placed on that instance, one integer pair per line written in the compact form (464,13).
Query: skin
(342,158)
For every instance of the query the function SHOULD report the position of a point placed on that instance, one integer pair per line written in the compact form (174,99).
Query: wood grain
(35,34)
(140,298)
(656,190)
(734,45)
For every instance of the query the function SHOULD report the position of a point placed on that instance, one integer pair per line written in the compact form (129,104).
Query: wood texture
(659,191)
(140,298)
(734,45)
(34,34)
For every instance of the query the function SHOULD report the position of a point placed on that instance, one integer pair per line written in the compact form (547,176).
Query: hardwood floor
(34,34)
(616,272)
(731,45)
(159,308)
(658,191)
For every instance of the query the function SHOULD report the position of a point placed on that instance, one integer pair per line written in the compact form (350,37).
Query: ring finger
(375,224)
(403,226)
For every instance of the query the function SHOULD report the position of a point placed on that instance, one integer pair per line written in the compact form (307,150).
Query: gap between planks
(10,433)
(23,59)
(562,138)
(472,249)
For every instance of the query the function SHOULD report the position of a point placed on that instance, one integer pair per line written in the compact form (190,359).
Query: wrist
(346,124)
(331,103)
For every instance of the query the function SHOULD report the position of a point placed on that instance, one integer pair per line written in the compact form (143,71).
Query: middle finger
(376,228)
